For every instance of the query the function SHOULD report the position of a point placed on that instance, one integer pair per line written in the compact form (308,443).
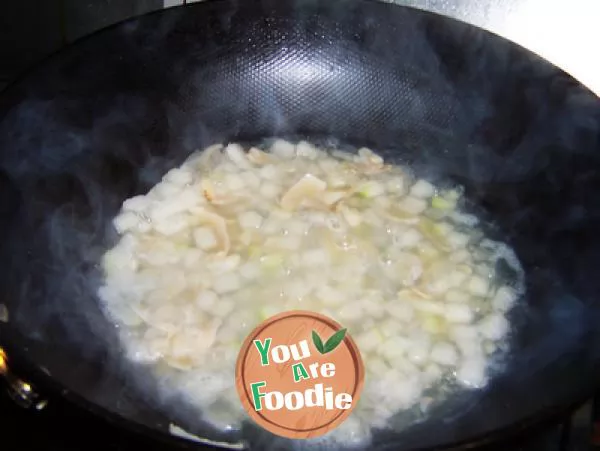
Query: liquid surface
(236,235)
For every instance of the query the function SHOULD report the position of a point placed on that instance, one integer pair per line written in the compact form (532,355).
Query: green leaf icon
(334,341)
(317,341)
(331,344)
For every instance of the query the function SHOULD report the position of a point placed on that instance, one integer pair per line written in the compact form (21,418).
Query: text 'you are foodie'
(299,374)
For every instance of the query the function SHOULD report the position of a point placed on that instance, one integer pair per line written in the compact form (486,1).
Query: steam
(60,233)
(104,121)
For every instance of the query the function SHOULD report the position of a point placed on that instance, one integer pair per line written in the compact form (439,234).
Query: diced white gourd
(471,373)
(350,312)
(352,216)
(284,243)
(283,149)
(137,204)
(400,310)
(234,182)
(225,264)
(315,257)
(389,328)
(494,326)
(456,295)
(351,433)
(373,307)
(239,237)
(250,271)
(126,221)
(465,219)
(444,353)
(408,238)
(250,179)
(504,298)
(120,259)
(226,283)
(458,313)
(298,289)
(141,351)
(144,226)
(268,172)
(377,366)
(457,240)
(192,257)
(422,189)
(435,307)
(250,220)
(371,189)
(165,190)
(269,190)
(179,177)
(330,296)
(396,186)
(223,308)
(236,154)
(205,238)
(478,286)
(470,349)
(172,225)
(393,348)
(412,205)
(368,341)
(419,351)
(306,150)
(206,300)
(464,333)
(184,201)
(460,256)
(432,373)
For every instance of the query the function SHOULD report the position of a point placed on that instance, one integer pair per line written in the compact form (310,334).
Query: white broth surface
(236,235)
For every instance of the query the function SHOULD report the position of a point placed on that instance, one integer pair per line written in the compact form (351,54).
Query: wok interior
(104,120)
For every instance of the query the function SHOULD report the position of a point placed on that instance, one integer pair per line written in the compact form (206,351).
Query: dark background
(32,29)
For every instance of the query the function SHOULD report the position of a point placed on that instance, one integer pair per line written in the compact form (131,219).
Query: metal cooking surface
(564,33)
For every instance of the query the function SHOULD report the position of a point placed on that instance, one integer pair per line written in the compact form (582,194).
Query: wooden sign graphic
(299,374)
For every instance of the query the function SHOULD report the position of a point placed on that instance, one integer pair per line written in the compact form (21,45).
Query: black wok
(104,119)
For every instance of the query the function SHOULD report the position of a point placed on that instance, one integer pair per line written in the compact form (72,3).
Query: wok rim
(46,384)
(53,387)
